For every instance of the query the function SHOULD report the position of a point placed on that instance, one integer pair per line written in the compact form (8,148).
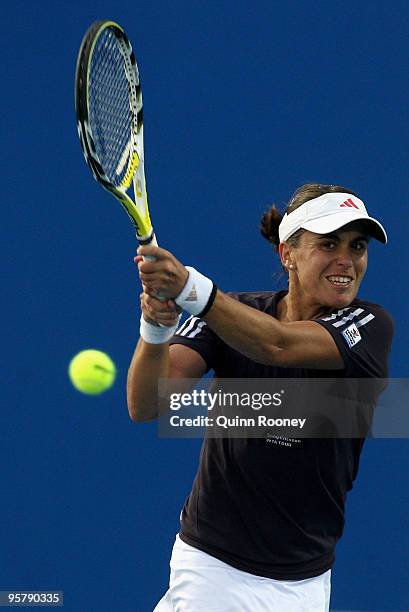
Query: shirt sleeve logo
(351,335)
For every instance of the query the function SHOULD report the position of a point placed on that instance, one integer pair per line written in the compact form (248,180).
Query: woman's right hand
(156,311)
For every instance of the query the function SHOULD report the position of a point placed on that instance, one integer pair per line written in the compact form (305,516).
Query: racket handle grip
(154,242)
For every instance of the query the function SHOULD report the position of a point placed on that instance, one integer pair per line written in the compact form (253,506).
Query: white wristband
(198,294)
(153,334)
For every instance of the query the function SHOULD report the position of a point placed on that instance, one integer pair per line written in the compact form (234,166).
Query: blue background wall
(244,101)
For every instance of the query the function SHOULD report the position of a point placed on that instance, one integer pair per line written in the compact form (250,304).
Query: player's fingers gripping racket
(108,103)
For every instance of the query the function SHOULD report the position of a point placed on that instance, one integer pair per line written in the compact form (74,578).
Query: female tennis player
(259,529)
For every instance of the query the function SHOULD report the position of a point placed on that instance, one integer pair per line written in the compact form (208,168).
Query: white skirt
(201,583)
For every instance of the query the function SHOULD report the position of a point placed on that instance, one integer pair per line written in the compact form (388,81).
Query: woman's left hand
(165,276)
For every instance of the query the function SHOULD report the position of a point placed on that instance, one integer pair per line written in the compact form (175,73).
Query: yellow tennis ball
(92,372)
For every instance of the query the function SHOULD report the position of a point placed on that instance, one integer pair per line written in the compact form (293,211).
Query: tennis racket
(108,104)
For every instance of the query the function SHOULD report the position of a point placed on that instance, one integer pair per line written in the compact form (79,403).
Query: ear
(285,255)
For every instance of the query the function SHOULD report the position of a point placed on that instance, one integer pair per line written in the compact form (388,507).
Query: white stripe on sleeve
(336,314)
(191,327)
(352,315)
(365,320)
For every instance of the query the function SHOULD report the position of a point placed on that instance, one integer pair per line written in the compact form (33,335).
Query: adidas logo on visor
(349,204)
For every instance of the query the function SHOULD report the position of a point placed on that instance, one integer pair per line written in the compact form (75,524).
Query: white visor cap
(328,213)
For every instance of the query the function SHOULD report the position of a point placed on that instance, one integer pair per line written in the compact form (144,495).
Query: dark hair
(272,218)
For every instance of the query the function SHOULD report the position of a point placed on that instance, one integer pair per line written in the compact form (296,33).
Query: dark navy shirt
(274,508)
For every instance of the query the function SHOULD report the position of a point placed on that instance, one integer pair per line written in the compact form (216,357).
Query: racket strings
(110,113)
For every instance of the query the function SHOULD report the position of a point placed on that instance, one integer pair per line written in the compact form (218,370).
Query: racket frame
(137,211)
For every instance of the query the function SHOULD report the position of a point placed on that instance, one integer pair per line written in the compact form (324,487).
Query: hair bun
(270,222)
